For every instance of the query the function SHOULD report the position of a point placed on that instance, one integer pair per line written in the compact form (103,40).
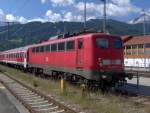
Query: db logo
(46,59)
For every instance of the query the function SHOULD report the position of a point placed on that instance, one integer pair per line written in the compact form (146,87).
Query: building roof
(138,40)
(126,38)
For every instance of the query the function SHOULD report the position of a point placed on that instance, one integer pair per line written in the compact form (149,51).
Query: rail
(34,100)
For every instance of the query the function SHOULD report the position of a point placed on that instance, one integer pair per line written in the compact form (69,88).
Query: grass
(90,102)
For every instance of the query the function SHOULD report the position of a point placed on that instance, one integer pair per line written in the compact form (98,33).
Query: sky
(25,11)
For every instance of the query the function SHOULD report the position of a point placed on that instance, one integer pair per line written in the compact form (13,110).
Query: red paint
(88,58)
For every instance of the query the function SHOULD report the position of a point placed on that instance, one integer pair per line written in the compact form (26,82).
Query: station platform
(8,103)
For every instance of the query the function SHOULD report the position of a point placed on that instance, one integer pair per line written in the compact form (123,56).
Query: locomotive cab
(108,58)
(108,53)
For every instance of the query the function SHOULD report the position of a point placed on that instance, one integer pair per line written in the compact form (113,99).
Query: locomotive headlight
(118,61)
(104,76)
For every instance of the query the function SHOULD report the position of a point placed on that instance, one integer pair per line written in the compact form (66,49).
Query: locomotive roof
(70,38)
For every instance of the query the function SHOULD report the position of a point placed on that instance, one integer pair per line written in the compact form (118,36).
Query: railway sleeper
(36,103)
(35,100)
(22,94)
(42,105)
(48,109)
(28,96)
(35,97)
(59,111)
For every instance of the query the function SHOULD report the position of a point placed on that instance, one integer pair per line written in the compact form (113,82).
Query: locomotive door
(80,53)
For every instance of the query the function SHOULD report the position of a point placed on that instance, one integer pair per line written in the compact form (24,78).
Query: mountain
(140,19)
(34,32)
(2,23)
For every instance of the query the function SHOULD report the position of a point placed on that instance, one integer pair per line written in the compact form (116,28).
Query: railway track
(33,100)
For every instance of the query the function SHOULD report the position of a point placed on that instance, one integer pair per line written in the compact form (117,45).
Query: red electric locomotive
(91,58)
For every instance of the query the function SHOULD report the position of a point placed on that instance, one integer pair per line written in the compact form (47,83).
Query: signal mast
(104,16)
(144,22)
(84,15)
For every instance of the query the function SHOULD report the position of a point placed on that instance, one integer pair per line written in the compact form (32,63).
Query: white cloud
(114,8)
(68,16)
(1,12)
(38,20)
(94,10)
(62,2)
(43,1)
(10,18)
(53,17)
(22,20)
(72,17)
(122,2)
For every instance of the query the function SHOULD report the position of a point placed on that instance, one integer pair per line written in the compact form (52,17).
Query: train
(91,58)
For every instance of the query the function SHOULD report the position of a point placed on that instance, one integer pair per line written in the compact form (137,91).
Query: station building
(137,51)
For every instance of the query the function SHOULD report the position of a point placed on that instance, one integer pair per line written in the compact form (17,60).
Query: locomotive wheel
(104,86)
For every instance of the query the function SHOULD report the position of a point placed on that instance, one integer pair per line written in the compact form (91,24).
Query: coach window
(102,43)
(61,46)
(53,47)
(70,45)
(47,48)
(80,44)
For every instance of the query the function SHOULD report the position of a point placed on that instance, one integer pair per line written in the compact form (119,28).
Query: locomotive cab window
(102,43)
(117,43)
